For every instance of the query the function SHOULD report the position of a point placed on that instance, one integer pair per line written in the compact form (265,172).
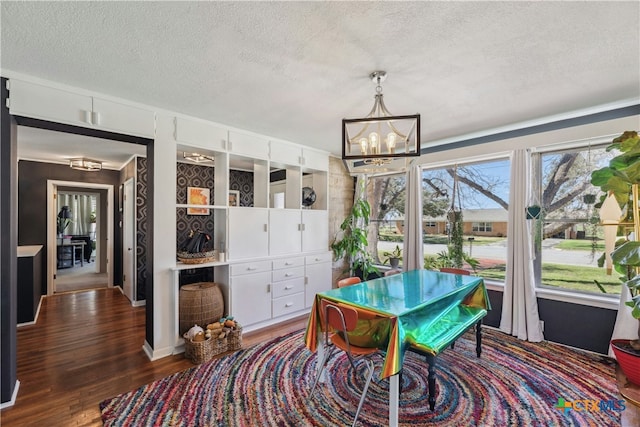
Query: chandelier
(84,164)
(380,137)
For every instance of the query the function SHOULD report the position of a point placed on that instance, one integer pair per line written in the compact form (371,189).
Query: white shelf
(200,206)
(182,266)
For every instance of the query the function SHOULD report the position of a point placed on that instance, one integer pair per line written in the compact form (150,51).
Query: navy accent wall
(32,203)
(8,248)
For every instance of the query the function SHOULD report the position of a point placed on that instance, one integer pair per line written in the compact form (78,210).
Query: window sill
(611,302)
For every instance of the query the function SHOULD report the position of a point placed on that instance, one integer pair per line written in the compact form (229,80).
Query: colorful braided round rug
(514,383)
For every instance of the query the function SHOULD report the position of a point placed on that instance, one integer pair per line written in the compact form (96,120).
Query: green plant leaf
(627,254)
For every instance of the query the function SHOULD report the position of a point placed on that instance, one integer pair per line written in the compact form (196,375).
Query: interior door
(128,239)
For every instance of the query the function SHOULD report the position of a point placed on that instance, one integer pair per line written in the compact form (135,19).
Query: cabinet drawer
(287,287)
(249,267)
(287,274)
(288,304)
(288,263)
(319,258)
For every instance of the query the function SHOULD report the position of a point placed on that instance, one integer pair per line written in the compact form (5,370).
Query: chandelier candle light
(380,136)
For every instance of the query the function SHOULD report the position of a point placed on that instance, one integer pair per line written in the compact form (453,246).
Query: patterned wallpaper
(187,175)
(141,225)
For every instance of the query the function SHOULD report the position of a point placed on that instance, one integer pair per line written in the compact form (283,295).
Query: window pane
(386,195)
(569,239)
(483,196)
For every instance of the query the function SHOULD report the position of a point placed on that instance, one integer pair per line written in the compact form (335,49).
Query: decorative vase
(394,262)
(628,359)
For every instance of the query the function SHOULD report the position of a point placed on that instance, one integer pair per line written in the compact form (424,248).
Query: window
(483,196)
(483,227)
(569,240)
(386,195)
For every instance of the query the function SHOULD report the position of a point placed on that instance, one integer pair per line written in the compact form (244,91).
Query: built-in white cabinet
(317,276)
(248,235)
(250,292)
(248,145)
(201,134)
(285,232)
(315,230)
(57,105)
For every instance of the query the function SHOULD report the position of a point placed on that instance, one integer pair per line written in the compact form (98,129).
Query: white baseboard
(14,396)
(140,303)
(156,354)
(35,319)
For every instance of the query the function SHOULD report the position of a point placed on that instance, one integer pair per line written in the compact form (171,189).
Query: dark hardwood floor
(87,347)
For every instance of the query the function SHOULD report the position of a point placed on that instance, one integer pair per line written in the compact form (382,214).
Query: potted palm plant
(621,179)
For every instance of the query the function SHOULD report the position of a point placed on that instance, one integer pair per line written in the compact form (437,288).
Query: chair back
(461,271)
(392,272)
(348,281)
(340,317)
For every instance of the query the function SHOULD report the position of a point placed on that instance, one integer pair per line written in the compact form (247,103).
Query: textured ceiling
(293,70)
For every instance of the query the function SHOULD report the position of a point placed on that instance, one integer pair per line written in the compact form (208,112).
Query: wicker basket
(197,258)
(198,352)
(200,304)
(235,339)
(218,345)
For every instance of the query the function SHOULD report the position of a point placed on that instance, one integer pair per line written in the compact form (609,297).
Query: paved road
(498,251)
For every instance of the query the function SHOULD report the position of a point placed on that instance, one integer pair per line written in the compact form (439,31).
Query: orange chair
(342,319)
(461,271)
(392,272)
(348,281)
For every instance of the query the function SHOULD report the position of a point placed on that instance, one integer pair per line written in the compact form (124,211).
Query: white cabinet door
(315,230)
(251,298)
(248,233)
(315,160)
(121,118)
(284,153)
(318,280)
(42,102)
(201,134)
(284,232)
(248,145)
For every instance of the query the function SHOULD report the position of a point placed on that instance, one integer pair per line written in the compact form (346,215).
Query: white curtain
(413,249)
(519,305)
(80,208)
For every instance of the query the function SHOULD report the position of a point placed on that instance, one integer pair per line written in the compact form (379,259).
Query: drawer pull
(289,304)
(288,263)
(287,288)
(288,274)
(318,259)
(252,268)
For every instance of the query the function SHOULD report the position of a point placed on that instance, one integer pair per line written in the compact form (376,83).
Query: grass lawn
(580,245)
(566,277)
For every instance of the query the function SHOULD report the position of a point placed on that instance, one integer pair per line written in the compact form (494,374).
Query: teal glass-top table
(422,310)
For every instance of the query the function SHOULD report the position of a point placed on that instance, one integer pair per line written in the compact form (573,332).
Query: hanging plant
(456,221)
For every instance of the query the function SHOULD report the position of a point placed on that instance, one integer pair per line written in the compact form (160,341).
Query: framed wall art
(234,198)
(198,196)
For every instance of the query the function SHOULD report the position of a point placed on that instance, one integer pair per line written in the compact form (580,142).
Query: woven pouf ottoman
(200,304)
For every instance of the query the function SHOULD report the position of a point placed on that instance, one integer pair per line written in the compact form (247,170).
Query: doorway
(73,264)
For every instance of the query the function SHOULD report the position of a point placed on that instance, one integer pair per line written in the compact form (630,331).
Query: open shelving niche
(259,232)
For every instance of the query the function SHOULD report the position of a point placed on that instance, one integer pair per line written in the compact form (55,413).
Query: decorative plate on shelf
(308,196)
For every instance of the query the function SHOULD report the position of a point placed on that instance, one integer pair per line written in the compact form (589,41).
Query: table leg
(73,256)
(431,360)
(394,397)
(82,258)
(479,337)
